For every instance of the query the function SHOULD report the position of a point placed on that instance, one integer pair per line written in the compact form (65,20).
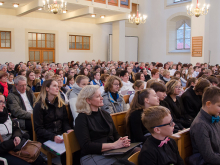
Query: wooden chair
(134,158)
(36,94)
(126,98)
(119,122)
(71,145)
(70,116)
(184,144)
(47,153)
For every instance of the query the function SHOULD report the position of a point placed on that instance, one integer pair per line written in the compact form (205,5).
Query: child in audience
(69,83)
(142,100)
(138,86)
(96,80)
(204,131)
(10,78)
(127,85)
(158,149)
(43,74)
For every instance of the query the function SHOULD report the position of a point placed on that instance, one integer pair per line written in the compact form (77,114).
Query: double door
(36,55)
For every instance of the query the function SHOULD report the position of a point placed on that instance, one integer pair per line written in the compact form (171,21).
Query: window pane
(48,44)
(8,35)
(180,44)
(77,46)
(84,45)
(187,43)
(37,55)
(182,27)
(187,27)
(2,35)
(73,38)
(8,43)
(31,55)
(29,36)
(3,43)
(30,44)
(43,36)
(77,38)
(70,44)
(87,46)
(73,45)
(45,56)
(187,33)
(39,36)
(52,37)
(50,55)
(179,34)
(39,44)
(34,36)
(34,43)
(52,44)
(48,37)
(43,44)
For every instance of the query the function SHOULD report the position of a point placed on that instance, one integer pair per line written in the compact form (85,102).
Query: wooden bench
(70,116)
(126,98)
(71,145)
(47,153)
(184,143)
(134,158)
(36,94)
(119,122)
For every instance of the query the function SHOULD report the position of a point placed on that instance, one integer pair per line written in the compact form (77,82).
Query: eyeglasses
(170,124)
(178,87)
(2,102)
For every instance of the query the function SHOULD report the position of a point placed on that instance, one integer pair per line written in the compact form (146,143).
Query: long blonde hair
(43,94)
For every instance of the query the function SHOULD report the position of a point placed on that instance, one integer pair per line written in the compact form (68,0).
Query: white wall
(43,22)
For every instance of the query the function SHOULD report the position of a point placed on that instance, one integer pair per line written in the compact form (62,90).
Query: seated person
(180,117)
(4,86)
(50,115)
(155,74)
(69,83)
(113,101)
(134,126)
(60,72)
(213,80)
(95,130)
(137,86)
(158,149)
(191,82)
(33,83)
(160,90)
(131,74)
(103,78)
(127,85)
(192,98)
(166,76)
(204,131)
(81,82)
(20,103)
(10,78)
(96,79)
(12,137)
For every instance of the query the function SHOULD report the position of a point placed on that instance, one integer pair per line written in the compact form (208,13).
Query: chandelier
(55,7)
(138,19)
(197,11)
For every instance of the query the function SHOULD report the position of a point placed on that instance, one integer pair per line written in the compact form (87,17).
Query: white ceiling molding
(30,7)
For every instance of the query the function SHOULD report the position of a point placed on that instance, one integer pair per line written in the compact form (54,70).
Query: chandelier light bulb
(1,3)
(15,5)
(102,16)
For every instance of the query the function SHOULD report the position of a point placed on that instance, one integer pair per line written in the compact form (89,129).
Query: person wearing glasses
(20,102)
(175,105)
(113,101)
(158,148)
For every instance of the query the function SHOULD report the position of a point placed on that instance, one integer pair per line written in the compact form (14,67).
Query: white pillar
(118,41)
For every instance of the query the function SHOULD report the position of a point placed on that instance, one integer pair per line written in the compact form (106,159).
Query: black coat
(37,87)
(192,102)
(89,134)
(50,122)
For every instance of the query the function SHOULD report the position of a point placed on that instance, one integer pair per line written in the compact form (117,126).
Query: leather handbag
(29,152)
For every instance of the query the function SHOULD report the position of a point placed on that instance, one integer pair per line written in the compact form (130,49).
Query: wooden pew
(36,94)
(134,158)
(184,143)
(47,153)
(71,145)
(70,116)
(119,121)
(126,98)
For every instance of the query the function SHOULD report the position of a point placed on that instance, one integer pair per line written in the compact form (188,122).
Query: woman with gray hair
(3,68)
(95,130)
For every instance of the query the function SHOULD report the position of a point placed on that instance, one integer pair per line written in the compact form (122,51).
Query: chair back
(34,134)
(126,98)
(70,116)
(119,122)
(134,158)
(71,145)
(36,94)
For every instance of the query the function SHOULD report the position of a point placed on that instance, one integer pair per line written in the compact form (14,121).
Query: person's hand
(57,139)
(69,130)
(121,142)
(17,141)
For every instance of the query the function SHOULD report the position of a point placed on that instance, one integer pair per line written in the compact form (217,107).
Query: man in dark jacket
(20,103)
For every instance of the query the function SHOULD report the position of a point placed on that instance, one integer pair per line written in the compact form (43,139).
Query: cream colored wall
(49,23)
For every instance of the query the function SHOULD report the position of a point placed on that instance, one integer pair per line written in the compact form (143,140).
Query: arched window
(183,39)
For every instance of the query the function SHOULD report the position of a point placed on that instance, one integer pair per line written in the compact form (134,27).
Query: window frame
(70,36)
(184,30)
(5,40)
(174,1)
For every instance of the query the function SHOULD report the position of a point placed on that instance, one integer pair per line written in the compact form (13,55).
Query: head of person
(49,89)
(22,72)
(174,66)
(104,77)
(88,66)
(17,68)
(3,77)
(213,80)
(37,73)
(103,71)
(97,68)
(166,74)
(179,67)
(192,81)
(71,72)
(173,87)
(10,66)
(161,70)
(190,71)
(139,76)
(2,102)
(84,71)
(211,101)
(113,72)
(59,80)
(149,82)
(3,68)
(124,75)
(166,66)
(59,66)
(158,121)
(10,77)
(70,80)
(52,66)
(177,74)
(49,75)
(82,81)
(138,85)
(23,66)
(60,72)
(155,73)
(89,99)
(183,72)
(113,84)
(20,83)
(129,69)
(30,75)
(96,76)
(39,67)
(43,74)
(160,90)
(45,67)
(201,85)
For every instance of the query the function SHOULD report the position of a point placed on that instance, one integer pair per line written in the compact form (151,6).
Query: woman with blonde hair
(50,115)
(95,130)
(113,101)
(190,73)
(49,75)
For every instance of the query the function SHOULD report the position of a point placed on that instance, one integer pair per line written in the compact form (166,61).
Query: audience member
(69,83)
(137,86)
(166,76)
(4,86)
(3,68)
(10,79)
(127,85)
(33,83)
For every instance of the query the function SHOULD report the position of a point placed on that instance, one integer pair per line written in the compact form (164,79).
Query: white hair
(19,78)
(2,66)
(51,64)
(38,66)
